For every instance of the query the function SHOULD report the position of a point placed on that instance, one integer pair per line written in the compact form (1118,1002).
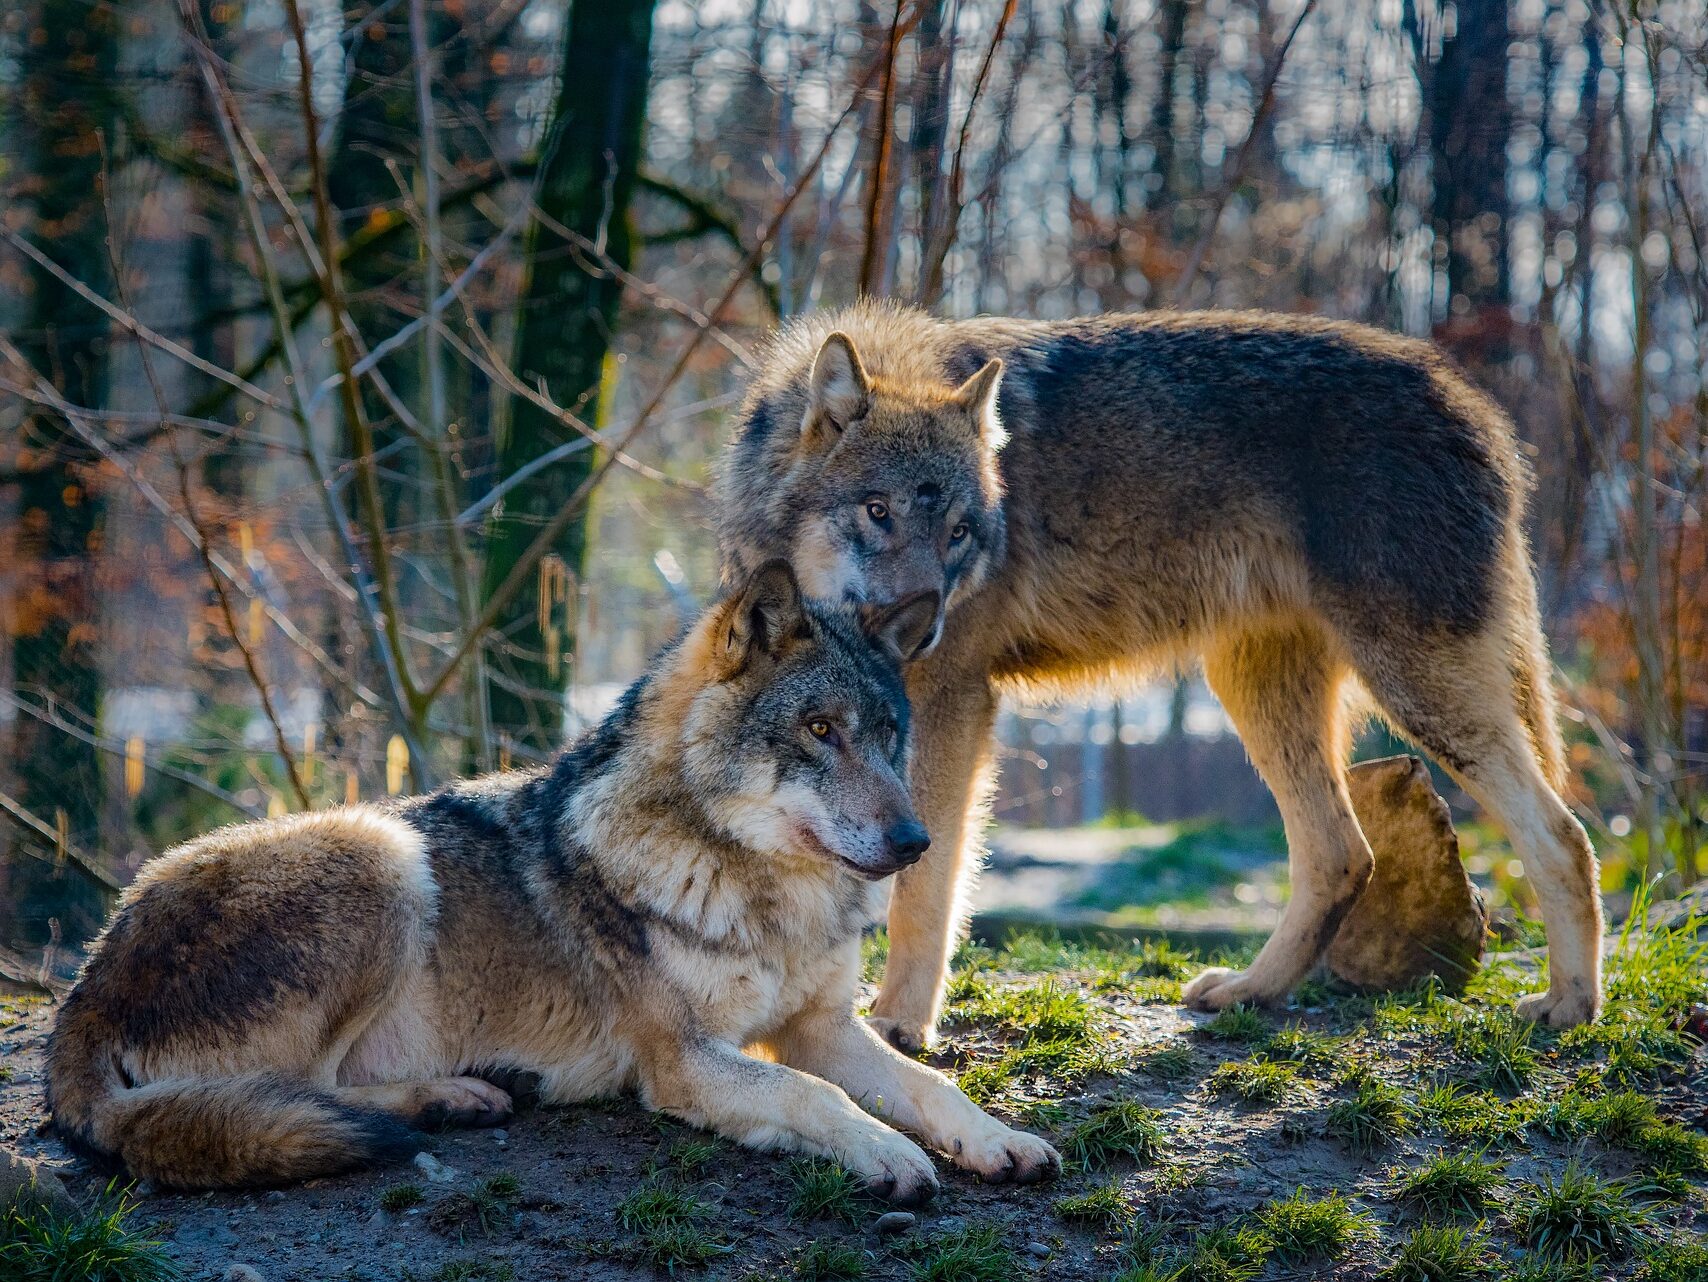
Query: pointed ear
(907,628)
(978,396)
(765,617)
(840,390)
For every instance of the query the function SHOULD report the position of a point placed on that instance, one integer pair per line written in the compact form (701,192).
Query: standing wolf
(287,998)
(1328,516)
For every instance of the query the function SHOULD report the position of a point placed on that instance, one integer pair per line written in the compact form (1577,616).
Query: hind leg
(1458,703)
(1281,687)
(434,1106)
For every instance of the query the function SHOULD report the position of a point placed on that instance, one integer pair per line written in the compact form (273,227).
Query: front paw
(907,1036)
(894,1168)
(999,1155)
(1219,987)
(1561,1008)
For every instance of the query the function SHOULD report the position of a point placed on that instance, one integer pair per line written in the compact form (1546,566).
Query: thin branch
(873,254)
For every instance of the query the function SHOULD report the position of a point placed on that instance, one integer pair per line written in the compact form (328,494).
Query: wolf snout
(905,842)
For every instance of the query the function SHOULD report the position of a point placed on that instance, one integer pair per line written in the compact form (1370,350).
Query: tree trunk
(69,60)
(1468,136)
(563,336)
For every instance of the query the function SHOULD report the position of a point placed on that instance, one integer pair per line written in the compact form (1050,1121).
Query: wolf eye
(878,510)
(960,532)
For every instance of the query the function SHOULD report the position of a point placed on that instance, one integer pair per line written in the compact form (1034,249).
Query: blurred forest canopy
(362,364)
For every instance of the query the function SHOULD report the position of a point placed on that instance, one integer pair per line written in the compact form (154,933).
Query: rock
(894,1223)
(1037,1250)
(241,1273)
(27,1183)
(435,1170)
(1420,915)
(500,1134)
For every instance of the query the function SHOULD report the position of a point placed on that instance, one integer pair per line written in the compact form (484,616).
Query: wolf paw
(1003,1156)
(1218,988)
(459,1102)
(895,1169)
(906,1036)
(1561,1008)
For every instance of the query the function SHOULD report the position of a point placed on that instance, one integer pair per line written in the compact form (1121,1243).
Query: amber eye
(878,510)
(960,532)
(820,729)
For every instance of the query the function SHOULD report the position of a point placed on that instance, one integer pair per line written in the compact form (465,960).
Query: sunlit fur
(1326,516)
(286,998)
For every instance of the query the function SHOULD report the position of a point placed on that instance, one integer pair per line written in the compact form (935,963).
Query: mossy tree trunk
(563,337)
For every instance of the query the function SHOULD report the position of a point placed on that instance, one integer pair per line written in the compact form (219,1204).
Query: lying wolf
(1328,516)
(288,998)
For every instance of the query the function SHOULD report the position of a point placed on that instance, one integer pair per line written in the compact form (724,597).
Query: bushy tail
(1533,681)
(254,1128)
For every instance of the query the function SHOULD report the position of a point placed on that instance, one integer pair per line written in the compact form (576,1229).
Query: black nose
(907,841)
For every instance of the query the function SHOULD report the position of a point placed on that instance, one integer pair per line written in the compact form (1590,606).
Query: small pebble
(500,1134)
(241,1273)
(891,1223)
(1038,1250)
(277,1195)
(434,1169)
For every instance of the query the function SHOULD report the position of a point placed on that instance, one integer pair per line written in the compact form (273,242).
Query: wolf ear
(765,618)
(840,390)
(978,396)
(907,628)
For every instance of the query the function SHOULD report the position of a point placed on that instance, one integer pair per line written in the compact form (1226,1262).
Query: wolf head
(795,738)
(875,490)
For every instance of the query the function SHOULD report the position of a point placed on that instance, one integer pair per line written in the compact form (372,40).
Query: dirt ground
(1220,1161)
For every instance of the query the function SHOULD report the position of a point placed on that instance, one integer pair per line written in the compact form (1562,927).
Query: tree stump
(1419,916)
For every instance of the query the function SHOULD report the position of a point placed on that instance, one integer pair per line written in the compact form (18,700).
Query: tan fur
(403,972)
(1125,558)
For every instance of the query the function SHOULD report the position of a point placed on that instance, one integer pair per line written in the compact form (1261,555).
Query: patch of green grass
(1117,1129)
(821,1190)
(972,1254)
(1232,1253)
(1630,1121)
(1376,1114)
(1104,1207)
(1449,1185)
(670,1227)
(1675,1262)
(400,1197)
(1441,1253)
(691,1155)
(503,1187)
(1170,1064)
(1577,1215)
(1059,1032)
(874,954)
(1300,1227)
(1255,1081)
(98,1245)
(1309,1050)
(1473,1115)
(1505,1059)
(473,1271)
(1242,1025)
(824,1261)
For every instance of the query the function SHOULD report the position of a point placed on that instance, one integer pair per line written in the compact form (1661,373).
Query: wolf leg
(770,1106)
(1281,687)
(1463,706)
(829,1042)
(434,1106)
(952,729)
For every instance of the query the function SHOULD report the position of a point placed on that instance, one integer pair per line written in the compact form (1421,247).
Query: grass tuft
(1447,1186)
(821,1190)
(1309,1050)
(1105,1207)
(1675,1262)
(1255,1081)
(1441,1253)
(974,1254)
(1577,1216)
(824,1261)
(1300,1227)
(1242,1025)
(1117,1129)
(670,1227)
(1170,1064)
(40,1245)
(400,1197)
(1376,1114)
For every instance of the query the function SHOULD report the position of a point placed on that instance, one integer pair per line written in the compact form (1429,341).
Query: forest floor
(1412,1136)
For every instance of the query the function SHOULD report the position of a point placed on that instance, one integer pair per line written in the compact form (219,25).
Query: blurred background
(362,367)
